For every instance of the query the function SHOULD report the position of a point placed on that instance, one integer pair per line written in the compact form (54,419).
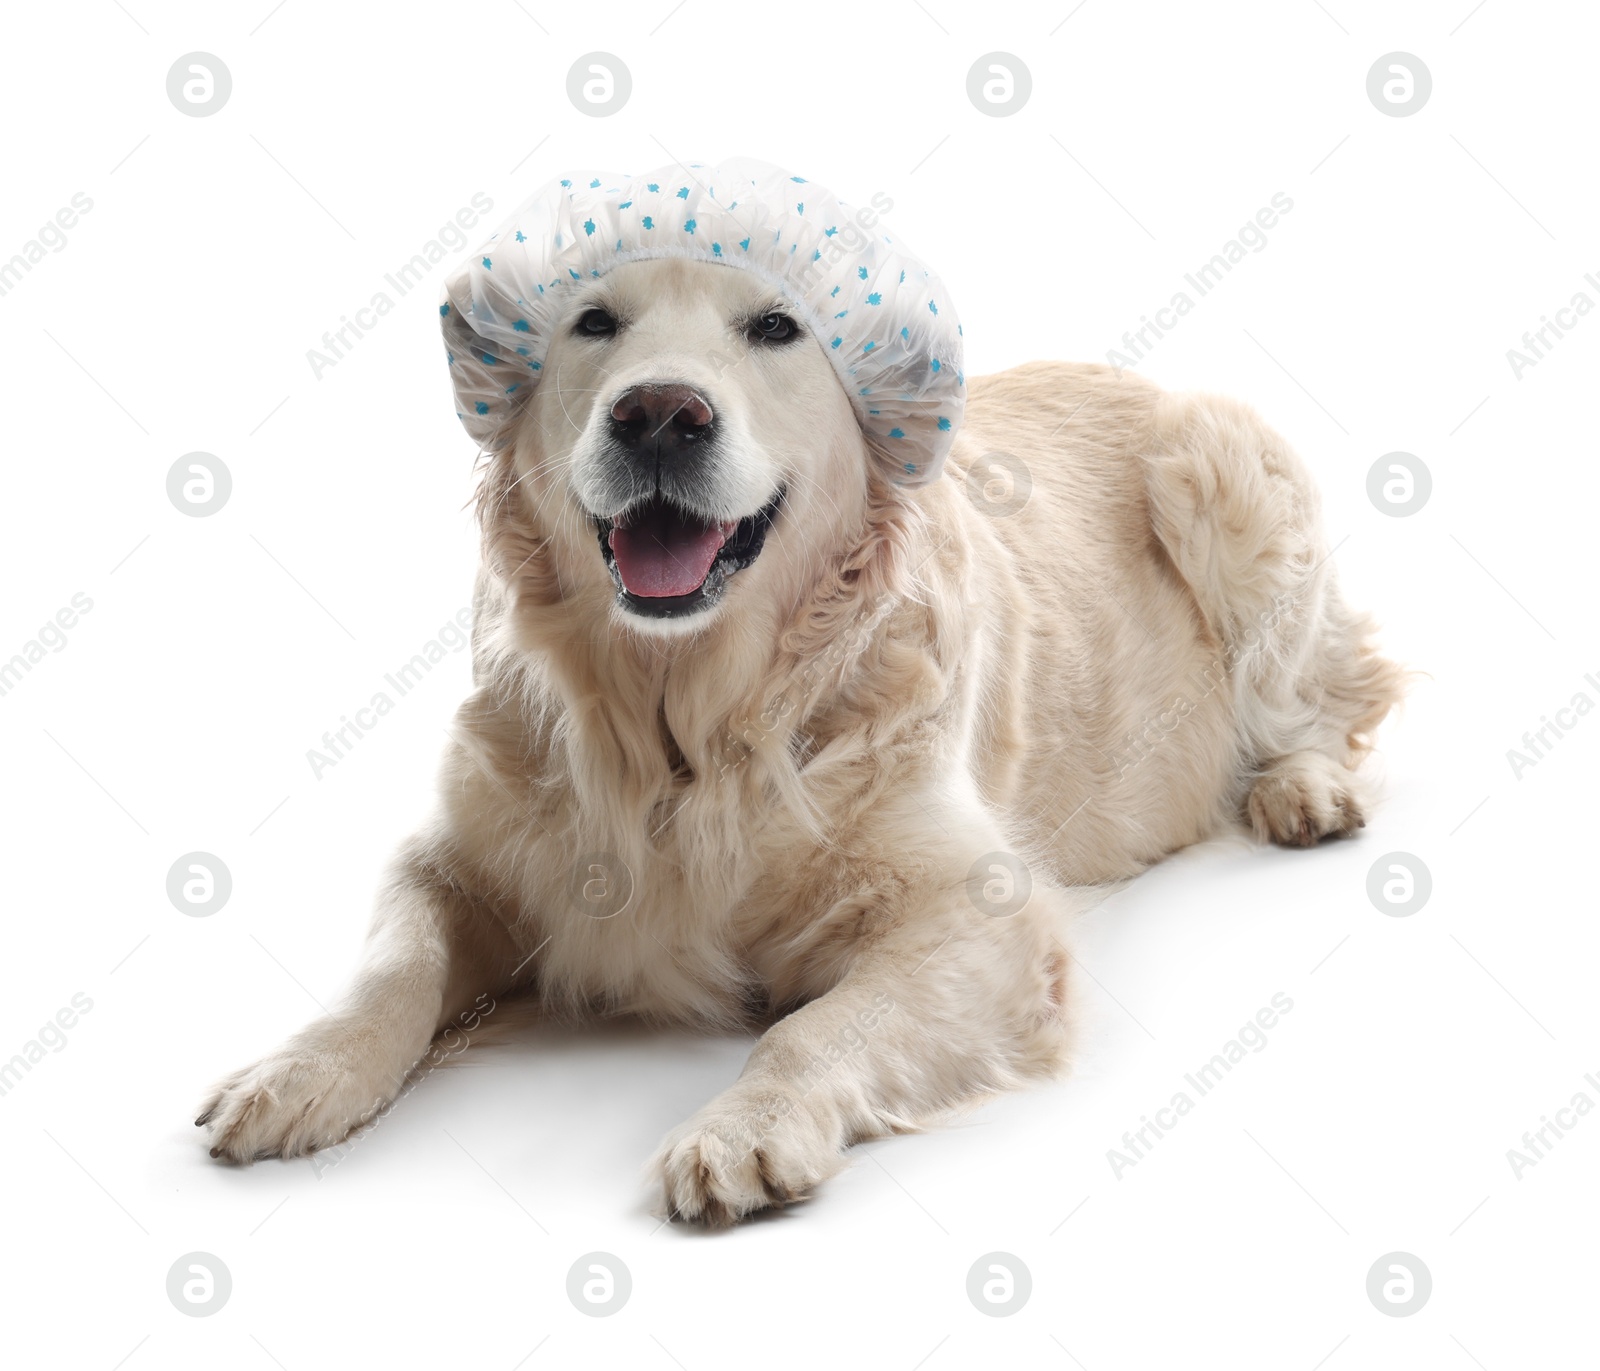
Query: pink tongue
(662,552)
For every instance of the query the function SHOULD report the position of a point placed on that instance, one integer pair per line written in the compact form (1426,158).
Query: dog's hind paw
(1305,797)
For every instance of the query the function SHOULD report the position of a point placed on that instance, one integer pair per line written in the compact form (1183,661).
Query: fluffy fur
(803,790)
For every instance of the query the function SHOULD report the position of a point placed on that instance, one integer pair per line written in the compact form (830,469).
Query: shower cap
(883,319)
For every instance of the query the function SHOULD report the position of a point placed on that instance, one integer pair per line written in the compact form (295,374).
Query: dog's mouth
(667,561)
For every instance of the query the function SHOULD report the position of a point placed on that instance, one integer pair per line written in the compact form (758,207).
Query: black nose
(661,420)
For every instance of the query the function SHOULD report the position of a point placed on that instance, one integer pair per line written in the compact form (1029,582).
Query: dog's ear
(514,551)
(490,390)
(499,308)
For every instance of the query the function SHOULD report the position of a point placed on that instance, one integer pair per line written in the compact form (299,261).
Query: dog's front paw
(311,1093)
(749,1149)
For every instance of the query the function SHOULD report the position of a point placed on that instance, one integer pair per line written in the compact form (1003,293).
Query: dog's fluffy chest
(704,922)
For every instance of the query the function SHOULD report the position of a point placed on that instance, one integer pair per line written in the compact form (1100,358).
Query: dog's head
(700,373)
(688,439)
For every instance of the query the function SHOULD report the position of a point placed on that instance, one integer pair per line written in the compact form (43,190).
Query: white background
(177,318)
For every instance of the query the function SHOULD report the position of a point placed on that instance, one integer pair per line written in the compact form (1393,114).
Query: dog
(759,737)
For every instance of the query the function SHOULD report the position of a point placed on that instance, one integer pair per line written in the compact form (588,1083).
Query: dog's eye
(772,328)
(596,323)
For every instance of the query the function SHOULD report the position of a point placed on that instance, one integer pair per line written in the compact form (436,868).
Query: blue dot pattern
(884,320)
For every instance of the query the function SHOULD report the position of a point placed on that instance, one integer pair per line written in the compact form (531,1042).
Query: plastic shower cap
(883,319)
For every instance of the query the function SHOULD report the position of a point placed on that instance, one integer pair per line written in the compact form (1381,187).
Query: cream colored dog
(759,737)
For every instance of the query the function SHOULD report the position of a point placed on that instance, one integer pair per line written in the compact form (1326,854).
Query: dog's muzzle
(668,562)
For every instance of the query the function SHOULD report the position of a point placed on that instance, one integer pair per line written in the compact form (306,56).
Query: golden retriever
(760,737)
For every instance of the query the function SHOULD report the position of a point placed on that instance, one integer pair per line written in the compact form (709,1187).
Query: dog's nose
(661,419)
